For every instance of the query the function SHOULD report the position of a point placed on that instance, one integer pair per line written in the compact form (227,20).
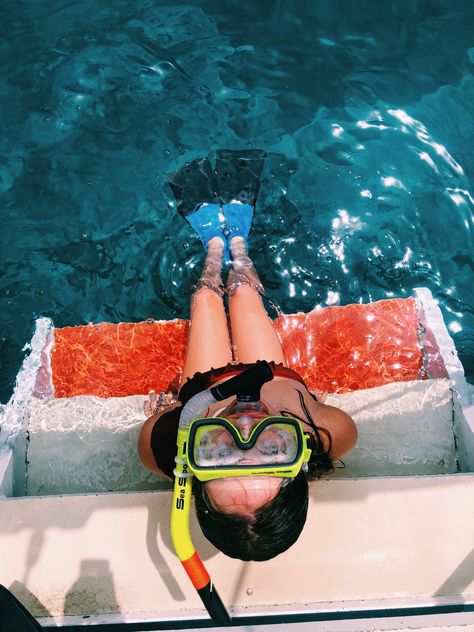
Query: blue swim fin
(238,183)
(238,219)
(195,191)
(208,221)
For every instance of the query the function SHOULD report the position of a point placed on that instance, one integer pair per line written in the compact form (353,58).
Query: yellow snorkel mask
(276,446)
(212,447)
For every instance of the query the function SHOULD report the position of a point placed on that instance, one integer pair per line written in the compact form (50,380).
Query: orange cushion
(335,349)
(111,360)
(340,349)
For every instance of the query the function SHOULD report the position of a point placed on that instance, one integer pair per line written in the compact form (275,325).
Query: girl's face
(243,495)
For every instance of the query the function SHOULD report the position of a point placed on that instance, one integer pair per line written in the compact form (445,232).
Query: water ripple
(367,118)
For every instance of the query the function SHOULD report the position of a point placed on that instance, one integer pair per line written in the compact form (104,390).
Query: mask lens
(214,446)
(277,443)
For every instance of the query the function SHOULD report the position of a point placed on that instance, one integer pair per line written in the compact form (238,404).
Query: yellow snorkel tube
(181,537)
(250,382)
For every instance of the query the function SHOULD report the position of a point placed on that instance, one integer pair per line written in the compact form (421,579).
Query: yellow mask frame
(284,470)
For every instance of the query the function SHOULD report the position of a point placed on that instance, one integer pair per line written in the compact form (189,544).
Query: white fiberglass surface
(88,444)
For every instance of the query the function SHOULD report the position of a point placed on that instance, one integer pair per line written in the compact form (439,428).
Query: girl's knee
(205,296)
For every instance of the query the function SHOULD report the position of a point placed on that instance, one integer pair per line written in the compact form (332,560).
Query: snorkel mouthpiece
(246,385)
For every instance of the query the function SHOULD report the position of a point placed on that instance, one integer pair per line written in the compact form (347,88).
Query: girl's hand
(155,403)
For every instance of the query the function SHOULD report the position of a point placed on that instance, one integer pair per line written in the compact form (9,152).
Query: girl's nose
(246,423)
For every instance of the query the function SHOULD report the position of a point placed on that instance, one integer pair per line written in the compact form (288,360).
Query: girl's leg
(208,339)
(253,335)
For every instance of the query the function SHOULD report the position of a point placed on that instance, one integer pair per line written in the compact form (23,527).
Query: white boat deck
(368,543)
(371,544)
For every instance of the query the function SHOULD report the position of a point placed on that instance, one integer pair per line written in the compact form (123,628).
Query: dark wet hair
(277,525)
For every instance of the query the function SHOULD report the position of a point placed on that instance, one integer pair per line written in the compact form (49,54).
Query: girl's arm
(144,440)
(340,426)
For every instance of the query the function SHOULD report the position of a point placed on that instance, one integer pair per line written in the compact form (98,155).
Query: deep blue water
(366,110)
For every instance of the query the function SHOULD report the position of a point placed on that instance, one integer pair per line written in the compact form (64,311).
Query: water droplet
(249,591)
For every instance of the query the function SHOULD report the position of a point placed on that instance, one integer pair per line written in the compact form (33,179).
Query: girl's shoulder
(293,397)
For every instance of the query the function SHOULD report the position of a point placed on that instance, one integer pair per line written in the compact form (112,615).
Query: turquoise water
(365,109)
